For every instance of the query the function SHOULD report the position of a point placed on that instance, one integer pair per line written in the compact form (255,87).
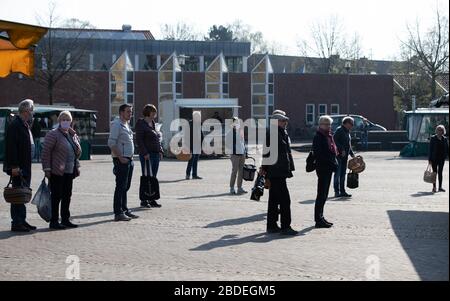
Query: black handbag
(149,186)
(311,162)
(352,180)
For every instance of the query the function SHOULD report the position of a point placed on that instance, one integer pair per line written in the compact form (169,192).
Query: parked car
(356,132)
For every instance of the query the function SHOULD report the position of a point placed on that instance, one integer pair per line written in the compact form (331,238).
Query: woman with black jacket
(438,153)
(325,152)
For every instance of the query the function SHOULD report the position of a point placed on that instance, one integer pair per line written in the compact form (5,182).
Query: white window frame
(335,105)
(326,109)
(308,105)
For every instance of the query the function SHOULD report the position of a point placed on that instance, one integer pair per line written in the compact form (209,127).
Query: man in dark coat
(343,142)
(18,156)
(277,174)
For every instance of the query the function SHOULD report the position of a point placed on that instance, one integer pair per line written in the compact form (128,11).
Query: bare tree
(180,31)
(60,55)
(329,42)
(430,48)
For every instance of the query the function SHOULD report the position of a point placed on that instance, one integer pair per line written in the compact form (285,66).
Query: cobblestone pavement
(203,233)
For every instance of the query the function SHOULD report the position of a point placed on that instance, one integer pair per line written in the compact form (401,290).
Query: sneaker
(68,224)
(289,232)
(232,191)
(32,228)
(197,178)
(20,228)
(131,215)
(154,204)
(121,218)
(145,205)
(56,226)
(241,191)
(322,224)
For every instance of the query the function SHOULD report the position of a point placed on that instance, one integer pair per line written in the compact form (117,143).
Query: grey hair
(25,105)
(348,119)
(64,114)
(325,118)
(441,127)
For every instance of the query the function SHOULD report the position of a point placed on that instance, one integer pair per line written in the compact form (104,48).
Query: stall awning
(205,103)
(17,43)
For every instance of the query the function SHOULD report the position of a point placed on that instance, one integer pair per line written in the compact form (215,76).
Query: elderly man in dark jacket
(277,174)
(343,142)
(18,156)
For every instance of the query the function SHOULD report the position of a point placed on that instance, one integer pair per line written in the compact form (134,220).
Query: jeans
(192,165)
(365,141)
(237,162)
(19,211)
(124,174)
(339,176)
(61,192)
(279,196)
(323,187)
(438,167)
(154,162)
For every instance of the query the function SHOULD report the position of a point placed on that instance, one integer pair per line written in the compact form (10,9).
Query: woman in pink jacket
(60,156)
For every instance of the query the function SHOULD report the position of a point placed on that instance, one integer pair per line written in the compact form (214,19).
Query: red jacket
(54,152)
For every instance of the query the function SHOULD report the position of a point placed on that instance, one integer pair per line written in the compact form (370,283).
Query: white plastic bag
(43,201)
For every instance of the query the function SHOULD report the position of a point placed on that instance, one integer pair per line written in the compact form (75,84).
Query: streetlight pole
(348,67)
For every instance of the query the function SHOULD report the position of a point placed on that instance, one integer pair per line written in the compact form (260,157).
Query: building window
(121,84)
(262,90)
(91,61)
(322,109)
(334,109)
(216,79)
(310,114)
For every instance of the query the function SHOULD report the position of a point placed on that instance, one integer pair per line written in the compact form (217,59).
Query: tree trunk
(50,92)
(433,85)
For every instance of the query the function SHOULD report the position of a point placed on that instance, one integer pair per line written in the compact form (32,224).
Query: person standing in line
(277,173)
(343,142)
(365,134)
(237,157)
(36,130)
(149,145)
(19,152)
(122,149)
(438,153)
(195,145)
(325,151)
(60,156)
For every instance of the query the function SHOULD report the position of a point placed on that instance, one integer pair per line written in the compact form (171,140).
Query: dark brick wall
(240,87)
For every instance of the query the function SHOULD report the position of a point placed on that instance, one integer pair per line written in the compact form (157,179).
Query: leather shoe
(56,226)
(289,231)
(32,228)
(322,224)
(68,224)
(121,218)
(131,215)
(19,228)
(154,204)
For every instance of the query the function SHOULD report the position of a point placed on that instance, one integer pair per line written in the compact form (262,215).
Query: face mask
(65,125)
(237,126)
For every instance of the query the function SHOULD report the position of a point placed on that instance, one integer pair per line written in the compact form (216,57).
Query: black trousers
(438,166)
(19,211)
(124,175)
(323,187)
(279,196)
(61,190)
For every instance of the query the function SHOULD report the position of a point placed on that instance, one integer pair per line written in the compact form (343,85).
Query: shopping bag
(149,186)
(429,176)
(43,201)
(352,180)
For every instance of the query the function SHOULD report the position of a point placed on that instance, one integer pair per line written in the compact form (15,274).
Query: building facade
(181,76)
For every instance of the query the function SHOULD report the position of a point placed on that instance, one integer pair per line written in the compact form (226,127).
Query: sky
(380,23)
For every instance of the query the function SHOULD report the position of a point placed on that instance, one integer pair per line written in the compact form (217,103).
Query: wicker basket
(184,155)
(17,195)
(356,164)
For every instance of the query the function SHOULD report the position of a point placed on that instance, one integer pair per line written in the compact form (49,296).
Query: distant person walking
(195,139)
(122,149)
(237,157)
(325,151)
(438,153)
(19,152)
(36,130)
(149,144)
(343,142)
(60,163)
(277,173)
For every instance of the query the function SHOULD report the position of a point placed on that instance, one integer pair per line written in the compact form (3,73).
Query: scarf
(330,139)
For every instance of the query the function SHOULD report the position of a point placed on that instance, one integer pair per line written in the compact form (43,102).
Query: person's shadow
(422,194)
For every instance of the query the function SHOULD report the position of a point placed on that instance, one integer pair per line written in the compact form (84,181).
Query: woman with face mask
(60,156)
